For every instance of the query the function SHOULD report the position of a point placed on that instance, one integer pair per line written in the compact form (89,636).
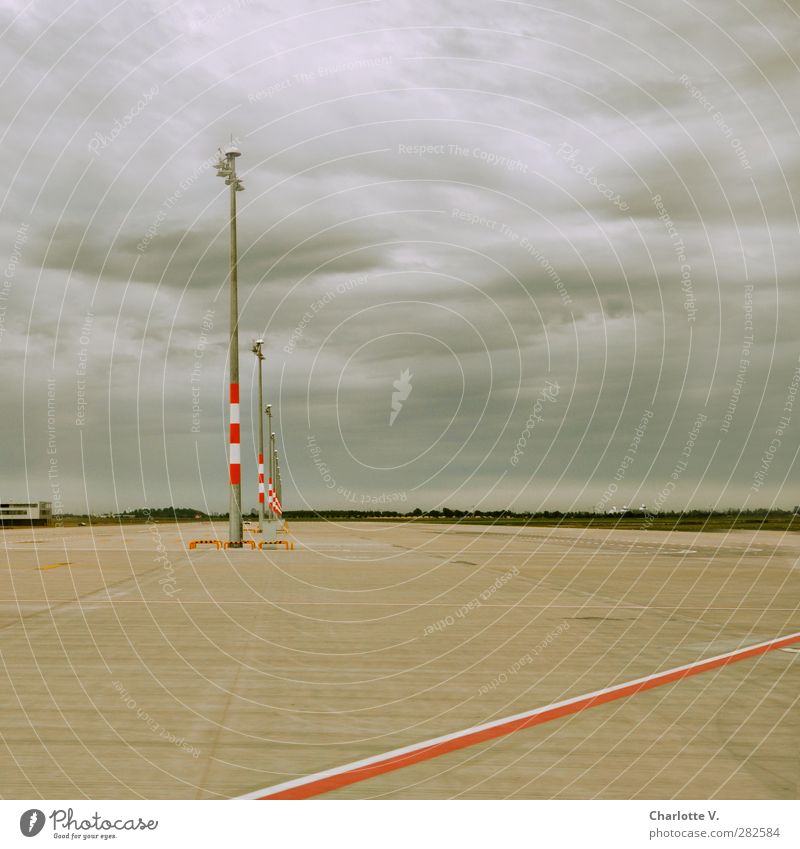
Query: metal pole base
(269,530)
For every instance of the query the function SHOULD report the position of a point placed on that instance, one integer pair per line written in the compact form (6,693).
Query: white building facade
(26,513)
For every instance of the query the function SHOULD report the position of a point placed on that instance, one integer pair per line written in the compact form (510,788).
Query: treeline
(146,513)
(168,513)
(447,513)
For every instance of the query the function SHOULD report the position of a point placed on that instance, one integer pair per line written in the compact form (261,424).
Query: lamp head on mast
(226,167)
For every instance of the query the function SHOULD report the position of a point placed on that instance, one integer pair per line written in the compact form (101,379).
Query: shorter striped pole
(274,502)
(235,455)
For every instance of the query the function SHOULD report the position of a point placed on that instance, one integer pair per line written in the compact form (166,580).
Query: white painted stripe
(236,454)
(235,414)
(308,779)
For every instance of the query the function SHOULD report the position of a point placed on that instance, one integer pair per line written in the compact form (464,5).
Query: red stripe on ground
(472,738)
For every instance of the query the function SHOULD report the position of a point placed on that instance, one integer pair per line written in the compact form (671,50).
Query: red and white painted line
(333,779)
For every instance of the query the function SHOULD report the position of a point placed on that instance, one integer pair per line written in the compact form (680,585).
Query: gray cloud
(490,196)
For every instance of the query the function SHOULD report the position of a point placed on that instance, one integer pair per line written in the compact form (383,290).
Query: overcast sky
(575,228)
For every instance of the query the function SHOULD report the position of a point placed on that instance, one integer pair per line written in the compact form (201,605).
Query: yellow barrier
(195,542)
(249,542)
(284,542)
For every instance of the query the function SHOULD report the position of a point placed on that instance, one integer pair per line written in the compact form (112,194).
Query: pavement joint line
(333,779)
(410,605)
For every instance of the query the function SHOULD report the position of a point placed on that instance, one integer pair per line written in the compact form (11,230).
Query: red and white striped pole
(269,439)
(235,437)
(226,167)
(257,349)
(274,501)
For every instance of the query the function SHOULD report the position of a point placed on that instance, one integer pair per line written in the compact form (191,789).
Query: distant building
(26,513)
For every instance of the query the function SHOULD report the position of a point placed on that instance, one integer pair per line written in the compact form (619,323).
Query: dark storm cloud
(485,196)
